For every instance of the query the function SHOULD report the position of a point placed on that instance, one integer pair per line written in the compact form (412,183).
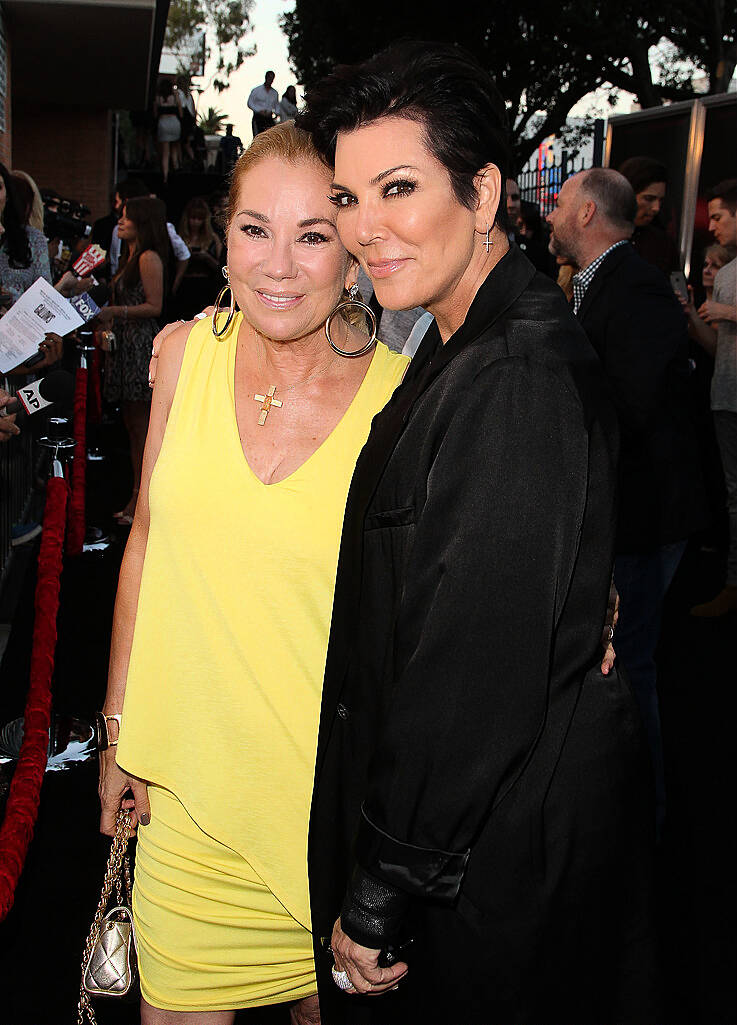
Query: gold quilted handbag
(109,961)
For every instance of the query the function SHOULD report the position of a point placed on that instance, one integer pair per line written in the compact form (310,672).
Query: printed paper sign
(39,310)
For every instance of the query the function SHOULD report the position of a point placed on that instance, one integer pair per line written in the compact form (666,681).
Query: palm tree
(213,122)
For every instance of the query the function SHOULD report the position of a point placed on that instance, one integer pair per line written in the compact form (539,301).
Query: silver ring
(610,638)
(341,979)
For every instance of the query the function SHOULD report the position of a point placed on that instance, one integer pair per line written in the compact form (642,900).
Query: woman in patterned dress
(138,293)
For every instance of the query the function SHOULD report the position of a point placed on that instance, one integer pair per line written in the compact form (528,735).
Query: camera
(64,218)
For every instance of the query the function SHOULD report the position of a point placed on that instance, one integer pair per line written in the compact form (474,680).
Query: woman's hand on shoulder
(178,332)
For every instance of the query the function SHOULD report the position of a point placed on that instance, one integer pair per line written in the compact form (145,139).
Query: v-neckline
(232,361)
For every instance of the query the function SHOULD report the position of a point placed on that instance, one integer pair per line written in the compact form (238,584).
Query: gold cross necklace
(269,400)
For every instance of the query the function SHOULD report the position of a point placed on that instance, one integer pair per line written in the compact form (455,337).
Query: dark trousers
(260,123)
(642,580)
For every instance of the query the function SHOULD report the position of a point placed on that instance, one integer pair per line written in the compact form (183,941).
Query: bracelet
(101,730)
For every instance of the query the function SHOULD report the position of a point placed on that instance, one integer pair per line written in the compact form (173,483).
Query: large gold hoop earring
(231,311)
(352,301)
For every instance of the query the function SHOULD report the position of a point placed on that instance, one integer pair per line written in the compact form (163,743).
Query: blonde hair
(291,145)
(36,216)
(718,254)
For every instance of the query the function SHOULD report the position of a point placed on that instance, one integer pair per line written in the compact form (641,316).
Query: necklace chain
(269,398)
(297,384)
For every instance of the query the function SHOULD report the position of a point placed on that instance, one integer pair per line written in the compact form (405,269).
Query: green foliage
(213,122)
(225,22)
(544,56)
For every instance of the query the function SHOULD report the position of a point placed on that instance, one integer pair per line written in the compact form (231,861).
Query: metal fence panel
(541,185)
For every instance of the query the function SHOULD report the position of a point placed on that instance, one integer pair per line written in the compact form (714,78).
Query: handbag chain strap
(117,870)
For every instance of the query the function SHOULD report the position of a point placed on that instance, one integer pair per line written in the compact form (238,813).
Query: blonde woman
(201,280)
(256,425)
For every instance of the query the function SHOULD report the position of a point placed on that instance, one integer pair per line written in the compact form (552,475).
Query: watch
(101,730)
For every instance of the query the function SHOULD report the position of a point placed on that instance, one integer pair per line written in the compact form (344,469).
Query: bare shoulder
(149,260)
(171,354)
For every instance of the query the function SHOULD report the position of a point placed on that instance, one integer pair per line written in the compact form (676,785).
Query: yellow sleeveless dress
(223,691)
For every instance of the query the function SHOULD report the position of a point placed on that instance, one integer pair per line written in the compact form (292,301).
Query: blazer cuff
(373,911)
(419,871)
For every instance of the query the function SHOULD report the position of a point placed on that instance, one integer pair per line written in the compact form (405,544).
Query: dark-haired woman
(481,787)
(24,255)
(138,293)
(649,179)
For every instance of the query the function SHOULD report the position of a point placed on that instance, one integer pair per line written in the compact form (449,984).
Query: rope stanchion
(94,396)
(77,526)
(25,788)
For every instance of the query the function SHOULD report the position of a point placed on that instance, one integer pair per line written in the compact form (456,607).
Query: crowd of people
(380,736)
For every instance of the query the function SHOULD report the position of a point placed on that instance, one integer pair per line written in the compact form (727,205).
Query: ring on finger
(341,979)
(610,634)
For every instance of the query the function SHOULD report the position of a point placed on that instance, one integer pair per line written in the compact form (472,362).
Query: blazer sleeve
(493,553)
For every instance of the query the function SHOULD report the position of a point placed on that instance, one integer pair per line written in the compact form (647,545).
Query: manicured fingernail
(145,818)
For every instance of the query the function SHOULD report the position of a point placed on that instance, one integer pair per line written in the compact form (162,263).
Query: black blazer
(638,328)
(462,690)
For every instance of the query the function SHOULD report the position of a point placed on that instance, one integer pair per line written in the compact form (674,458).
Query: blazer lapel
(500,290)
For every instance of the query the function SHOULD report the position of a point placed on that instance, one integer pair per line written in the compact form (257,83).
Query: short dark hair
(726,191)
(613,195)
(441,88)
(643,171)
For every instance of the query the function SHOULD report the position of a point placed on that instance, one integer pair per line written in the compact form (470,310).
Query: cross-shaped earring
(487,241)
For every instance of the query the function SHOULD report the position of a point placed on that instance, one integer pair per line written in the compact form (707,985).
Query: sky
(271,56)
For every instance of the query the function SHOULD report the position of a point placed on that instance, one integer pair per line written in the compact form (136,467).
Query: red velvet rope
(94,398)
(25,789)
(76,525)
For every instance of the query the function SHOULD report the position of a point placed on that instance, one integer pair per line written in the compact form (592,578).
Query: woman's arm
(114,782)
(493,552)
(698,329)
(40,263)
(711,310)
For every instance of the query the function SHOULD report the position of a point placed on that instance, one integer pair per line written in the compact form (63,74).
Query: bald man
(634,321)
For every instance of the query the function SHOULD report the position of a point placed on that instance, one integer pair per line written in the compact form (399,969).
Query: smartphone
(678,284)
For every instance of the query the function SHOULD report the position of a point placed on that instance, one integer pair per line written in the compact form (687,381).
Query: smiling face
(286,263)
(722,223)
(649,203)
(398,214)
